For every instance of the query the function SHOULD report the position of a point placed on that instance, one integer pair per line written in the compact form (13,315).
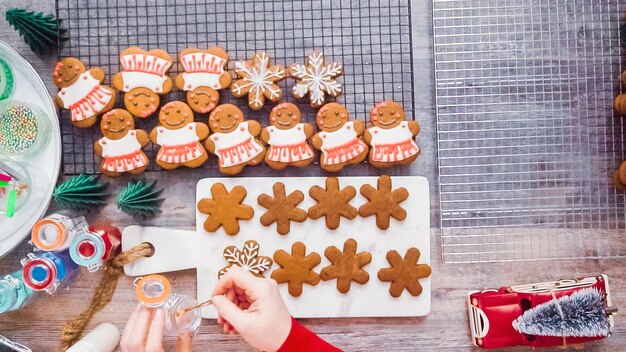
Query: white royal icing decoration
(344,135)
(288,145)
(85,97)
(342,145)
(258,79)
(236,147)
(179,145)
(137,79)
(316,78)
(202,70)
(124,154)
(393,144)
(201,79)
(78,90)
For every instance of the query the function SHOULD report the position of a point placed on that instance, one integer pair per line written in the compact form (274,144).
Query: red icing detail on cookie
(323,135)
(242,129)
(189,86)
(104,142)
(299,128)
(348,127)
(132,133)
(126,86)
(84,77)
(215,138)
(62,92)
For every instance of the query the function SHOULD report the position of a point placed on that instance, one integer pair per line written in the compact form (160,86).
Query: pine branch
(139,199)
(41,32)
(82,192)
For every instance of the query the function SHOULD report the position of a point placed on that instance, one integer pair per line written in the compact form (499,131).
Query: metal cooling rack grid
(527,136)
(371,38)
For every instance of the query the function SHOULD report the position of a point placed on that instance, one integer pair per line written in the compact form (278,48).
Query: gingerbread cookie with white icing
(234,140)
(179,137)
(339,138)
(287,138)
(390,136)
(122,144)
(203,74)
(143,78)
(81,91)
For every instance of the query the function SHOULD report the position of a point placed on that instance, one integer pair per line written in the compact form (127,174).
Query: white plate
(44,167)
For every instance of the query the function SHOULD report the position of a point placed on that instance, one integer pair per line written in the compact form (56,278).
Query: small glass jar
(155,291)
(14,294)
(24,128)
(57,231)
(92,247)
(46,271)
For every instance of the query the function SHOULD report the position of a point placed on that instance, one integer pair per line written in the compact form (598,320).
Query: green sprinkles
(18,129)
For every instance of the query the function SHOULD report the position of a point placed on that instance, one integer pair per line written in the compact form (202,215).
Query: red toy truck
(492,312)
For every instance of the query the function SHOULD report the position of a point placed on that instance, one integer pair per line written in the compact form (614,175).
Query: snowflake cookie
(316,78)
(247,259)
(258,80)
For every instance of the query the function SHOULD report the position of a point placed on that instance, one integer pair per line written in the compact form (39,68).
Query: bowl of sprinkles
(24,128)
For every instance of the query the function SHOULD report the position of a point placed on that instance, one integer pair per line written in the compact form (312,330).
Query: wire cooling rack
(527,135)
(371,38)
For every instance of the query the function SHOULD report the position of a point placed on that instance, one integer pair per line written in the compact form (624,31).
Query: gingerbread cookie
(383,202)
(287,138)
(316,78)
(332,203)
(143,79)
(81,91)
(620,104)
(203,75)
(225,209)
(258,80)
(347,266)
(296,269)
(282,208)
(121,146)
(391,136)
(234,140)
(247,258)
(339,138)
(619,177)
(179,137)
(404,273)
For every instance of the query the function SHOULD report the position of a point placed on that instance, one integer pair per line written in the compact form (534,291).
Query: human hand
(144,332)
(252,307)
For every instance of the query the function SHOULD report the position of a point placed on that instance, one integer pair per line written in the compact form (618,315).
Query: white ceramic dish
(44,167)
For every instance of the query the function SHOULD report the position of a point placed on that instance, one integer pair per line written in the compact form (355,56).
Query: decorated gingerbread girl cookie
(203,75)
(338,138)
(234,141)
(81,91)
(287,138)
(179,137)
(391,136)
(143,79)
(121,146)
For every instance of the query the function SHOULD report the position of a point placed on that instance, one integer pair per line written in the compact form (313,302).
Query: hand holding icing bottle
(156,291)
(92,247)
(14,294)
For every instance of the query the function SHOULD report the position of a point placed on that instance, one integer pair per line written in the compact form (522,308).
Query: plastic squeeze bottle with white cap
(104,338)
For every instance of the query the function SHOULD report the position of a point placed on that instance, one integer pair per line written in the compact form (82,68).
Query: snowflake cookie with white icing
(258,79)
(143,78)
(317,79)
(203,74)
(247,258)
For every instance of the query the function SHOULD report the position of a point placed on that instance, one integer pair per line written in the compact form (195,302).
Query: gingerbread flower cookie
(203,75)
(404,273)
(179,137)
(234,140)
(391,136)
(81,91)
(383,202)
(282,208)
(332,203)
(316,78)
(247,258)
(296,269)
(347,266)
(258,80)
(287,138)
(225,209)
(339,138)
(143,79)
(121,146)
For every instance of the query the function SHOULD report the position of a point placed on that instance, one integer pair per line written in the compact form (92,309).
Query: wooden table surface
(445,328)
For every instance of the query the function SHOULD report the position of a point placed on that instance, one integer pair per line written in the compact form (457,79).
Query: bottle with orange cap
(182,314)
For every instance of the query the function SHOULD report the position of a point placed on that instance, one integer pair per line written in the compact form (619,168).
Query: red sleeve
(301,339)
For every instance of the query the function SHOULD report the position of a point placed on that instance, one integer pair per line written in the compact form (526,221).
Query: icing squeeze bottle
(104,338)
(14,294)
(181,312)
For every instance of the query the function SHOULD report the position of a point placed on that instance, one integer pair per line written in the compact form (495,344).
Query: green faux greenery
(41,32)
(139,199)
(82,192)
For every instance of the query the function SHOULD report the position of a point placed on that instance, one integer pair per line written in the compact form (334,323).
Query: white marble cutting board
(179,249)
